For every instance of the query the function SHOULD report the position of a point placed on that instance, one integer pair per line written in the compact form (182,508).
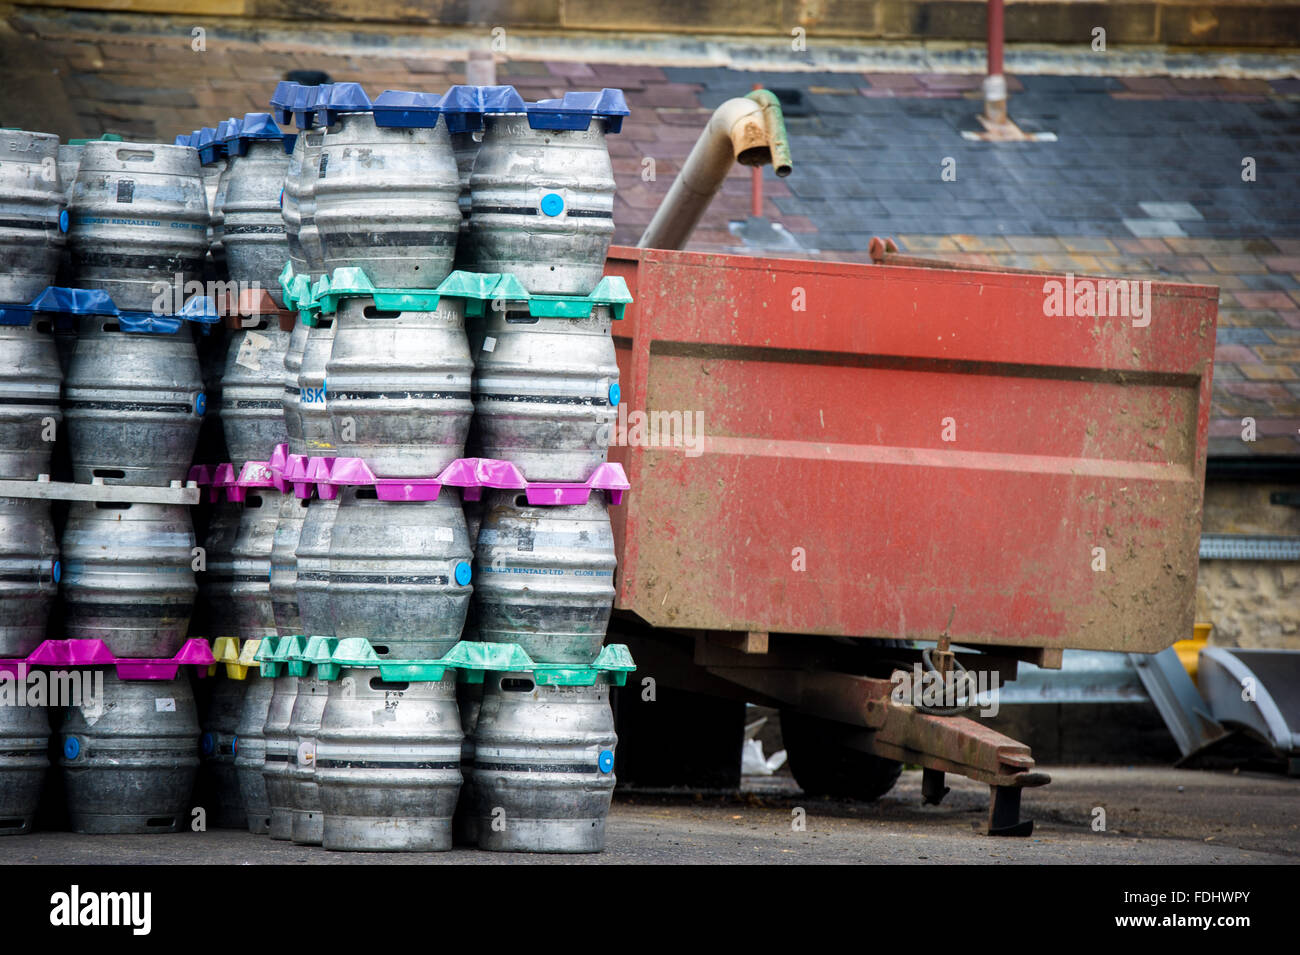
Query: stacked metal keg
(33,223)
(134,401)
(131,219)
(545,398)
(248,241)
(377,204)
(364,348)
(391,388)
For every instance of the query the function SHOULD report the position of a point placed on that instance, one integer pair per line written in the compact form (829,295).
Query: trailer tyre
(824,765)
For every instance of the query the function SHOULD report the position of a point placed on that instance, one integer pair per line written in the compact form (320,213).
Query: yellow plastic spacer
(226,650)
(246,655)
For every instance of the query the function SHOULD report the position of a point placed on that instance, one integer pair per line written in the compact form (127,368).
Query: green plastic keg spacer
(319,652)
(468,660)
(107,137)
(477,289)
(269,656)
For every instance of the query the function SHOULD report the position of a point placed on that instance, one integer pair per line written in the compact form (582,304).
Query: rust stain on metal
(829,499)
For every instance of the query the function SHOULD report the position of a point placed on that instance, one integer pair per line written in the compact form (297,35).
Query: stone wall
(1267,23)
(1252,603)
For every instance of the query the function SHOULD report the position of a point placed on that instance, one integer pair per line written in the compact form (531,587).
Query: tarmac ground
(1152,815)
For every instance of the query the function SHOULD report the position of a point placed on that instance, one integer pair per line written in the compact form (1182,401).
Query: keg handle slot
(113,505)
(513,684)
(397,686)
(371,311)
(111,327)
(135,155)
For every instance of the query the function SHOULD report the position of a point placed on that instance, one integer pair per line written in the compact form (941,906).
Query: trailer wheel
(823,765)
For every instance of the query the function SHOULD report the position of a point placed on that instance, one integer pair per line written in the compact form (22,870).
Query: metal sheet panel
(825,436)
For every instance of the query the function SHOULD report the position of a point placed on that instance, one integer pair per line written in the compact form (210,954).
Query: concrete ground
(1153,815)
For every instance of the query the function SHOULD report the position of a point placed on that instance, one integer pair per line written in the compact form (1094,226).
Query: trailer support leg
(892,729)
(1004,813)
(932,788)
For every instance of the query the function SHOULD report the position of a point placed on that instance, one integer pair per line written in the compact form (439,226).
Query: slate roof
(1144,180)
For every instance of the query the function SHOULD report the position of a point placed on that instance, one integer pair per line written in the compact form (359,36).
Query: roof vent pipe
(749,130)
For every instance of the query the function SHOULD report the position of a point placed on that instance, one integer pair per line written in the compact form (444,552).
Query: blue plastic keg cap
(407,109)
(614,394)
(57,571)
(259,126)
(234,745)
(227,130)
(207,744)
(336,98)
(207,145)
(606,762)
(63,221)
(577,109)
(71,747)
(282,100)
(70,301)
(552,204)
(200,403)
(465,106)
(463,574)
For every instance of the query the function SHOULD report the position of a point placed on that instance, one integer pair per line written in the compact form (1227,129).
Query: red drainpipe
(756,184)
(995,84)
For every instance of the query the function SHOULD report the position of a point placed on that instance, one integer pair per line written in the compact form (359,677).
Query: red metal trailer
(896,452)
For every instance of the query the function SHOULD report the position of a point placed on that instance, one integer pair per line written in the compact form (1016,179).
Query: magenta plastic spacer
(471,475)
(201,474)
(253,474)
(609,477)
(276,463)
(348,472)
(319,471)
(502,475)
(94,652)
(295,473)
(196,652)
(72,653)
(223,482)
(464,474)
(407,489)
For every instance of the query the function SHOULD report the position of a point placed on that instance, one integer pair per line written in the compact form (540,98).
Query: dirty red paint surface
(828,499)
